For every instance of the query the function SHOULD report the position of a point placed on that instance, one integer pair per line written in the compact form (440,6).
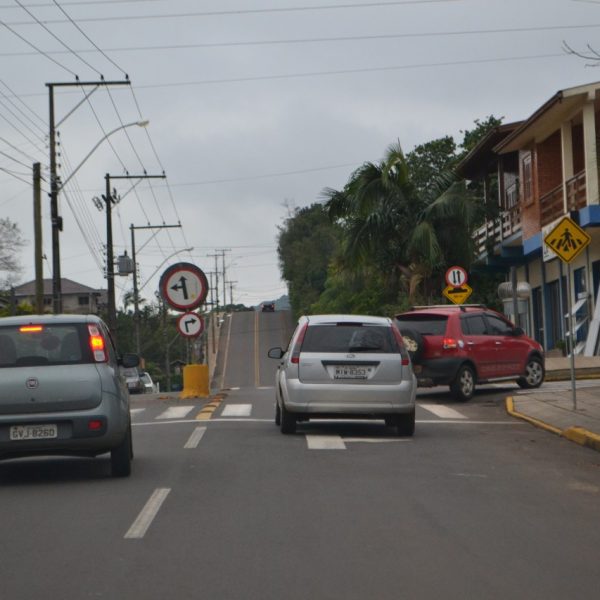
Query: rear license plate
(348,372)
(33,432)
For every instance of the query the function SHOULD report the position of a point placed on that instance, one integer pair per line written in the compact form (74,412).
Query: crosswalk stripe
(135,411)
(175,412)
(444,412)
(325,442)
(237,410)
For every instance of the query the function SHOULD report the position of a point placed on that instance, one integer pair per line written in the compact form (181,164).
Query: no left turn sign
(183,286)
(190,324)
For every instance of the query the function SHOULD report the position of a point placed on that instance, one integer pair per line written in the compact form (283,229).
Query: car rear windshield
(39,345)
(350,337)
(425,325)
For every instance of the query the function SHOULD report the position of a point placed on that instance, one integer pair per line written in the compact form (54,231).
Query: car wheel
(414,343)
(288,421)
(534,374)
(405,424)
(120,457)
(277,413)
(463,386)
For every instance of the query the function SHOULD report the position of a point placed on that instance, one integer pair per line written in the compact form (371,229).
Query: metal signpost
(567,240)
(457,290)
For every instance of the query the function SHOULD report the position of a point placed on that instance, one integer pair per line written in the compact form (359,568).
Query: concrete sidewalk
(554,410)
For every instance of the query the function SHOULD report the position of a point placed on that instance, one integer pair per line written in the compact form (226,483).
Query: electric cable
(9,99)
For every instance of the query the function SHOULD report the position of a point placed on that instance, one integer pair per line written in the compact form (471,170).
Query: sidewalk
(554,411)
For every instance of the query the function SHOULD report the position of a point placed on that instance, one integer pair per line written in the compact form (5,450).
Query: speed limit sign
(456,277)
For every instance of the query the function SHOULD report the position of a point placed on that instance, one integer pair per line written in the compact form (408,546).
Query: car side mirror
(129,360)
(276,352)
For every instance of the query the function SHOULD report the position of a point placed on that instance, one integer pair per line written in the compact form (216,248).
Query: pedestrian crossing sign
(567,239)
(458,295)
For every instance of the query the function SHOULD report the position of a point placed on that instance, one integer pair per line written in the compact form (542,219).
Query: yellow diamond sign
(567,239)
(458,295)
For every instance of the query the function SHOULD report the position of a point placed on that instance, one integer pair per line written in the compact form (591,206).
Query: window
(497,326)
(83,300)
(349,337)
(47,301)
(526,178)
(474,325)
(425,325)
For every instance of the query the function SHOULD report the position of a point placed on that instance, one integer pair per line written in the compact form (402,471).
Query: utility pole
(110,199)
(216,274)
(231,292)
(57,222)
(222,253)
(37,234)
(136,298)
(212,312)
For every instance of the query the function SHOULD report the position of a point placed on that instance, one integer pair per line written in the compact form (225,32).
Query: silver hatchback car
(62,391)
(345,366)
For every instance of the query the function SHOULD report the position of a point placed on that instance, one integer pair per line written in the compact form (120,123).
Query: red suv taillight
(449,344)
(403,351)
(298,345)
(97,344)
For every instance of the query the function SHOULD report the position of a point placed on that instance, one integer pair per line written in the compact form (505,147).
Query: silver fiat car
(345,366)
(62,391)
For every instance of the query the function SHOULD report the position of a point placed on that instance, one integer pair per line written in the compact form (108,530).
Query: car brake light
(94,424)
(31,329)
(97,344)
(403,351)
(449,344)
(298,345)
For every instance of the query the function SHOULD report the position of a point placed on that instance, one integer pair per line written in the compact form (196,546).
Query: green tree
(11,241)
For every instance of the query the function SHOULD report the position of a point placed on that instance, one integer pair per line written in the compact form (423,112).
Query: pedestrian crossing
(245,410)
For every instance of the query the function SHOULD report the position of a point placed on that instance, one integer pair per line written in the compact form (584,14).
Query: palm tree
(392,227)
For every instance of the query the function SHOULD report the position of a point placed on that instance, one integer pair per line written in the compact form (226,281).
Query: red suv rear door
(480,347)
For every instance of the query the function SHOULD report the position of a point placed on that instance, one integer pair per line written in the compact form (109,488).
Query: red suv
(460,346)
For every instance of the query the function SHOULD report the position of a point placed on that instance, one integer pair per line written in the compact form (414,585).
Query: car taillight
(97,344)
(298,345)
(405,359)
(449,344)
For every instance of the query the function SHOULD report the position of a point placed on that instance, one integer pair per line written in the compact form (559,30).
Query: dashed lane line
(148,513)
(195,438)
(325,442)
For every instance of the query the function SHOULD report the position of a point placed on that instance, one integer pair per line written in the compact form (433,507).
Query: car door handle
(470,343)
(498,343)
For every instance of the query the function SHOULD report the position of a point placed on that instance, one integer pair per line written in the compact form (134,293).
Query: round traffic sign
(456,276)
(190,324)
(183,286)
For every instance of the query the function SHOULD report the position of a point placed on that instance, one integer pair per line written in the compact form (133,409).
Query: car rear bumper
(437,371)
(361,399)
(74,434)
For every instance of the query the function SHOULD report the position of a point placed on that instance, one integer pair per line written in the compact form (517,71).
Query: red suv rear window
(424,324)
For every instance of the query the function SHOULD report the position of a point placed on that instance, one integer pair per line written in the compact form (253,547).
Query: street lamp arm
(138,123)
(161,264)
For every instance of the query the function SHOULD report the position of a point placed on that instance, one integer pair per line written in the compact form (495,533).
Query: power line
(251,11)
(81,3)
(31,158)
(26,106)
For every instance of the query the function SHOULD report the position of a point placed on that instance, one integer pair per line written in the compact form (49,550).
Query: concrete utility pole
(222,251)
(57,222)
(136,298)
(37,234)
(216,274)
(110,199)
(231,292)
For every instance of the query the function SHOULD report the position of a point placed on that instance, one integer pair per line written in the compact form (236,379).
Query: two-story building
(539,170)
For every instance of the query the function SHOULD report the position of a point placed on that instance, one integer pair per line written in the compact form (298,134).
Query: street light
(55,188)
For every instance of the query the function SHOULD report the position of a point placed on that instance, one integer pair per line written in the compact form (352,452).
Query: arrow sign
(190,324)
(183,286)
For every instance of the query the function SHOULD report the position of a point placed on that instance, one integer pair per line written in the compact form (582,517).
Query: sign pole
(571,336)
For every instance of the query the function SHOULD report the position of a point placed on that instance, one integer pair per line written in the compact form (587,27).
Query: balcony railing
(552,205)
(576,192)
(493,232)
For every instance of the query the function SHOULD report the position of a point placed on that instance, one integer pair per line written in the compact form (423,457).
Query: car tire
(120,457)
(277,413)
(414,343)
(534,374)
(288,421)
(405,424)
(463,386)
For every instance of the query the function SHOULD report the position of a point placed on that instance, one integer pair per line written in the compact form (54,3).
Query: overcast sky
(254,106)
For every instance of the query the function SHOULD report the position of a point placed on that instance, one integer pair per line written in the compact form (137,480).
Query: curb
(579,435)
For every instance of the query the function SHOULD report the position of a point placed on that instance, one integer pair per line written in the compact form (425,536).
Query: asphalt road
(221,505)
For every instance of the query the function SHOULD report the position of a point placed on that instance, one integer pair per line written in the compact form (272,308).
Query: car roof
(48,319)
(331,319)
(444,310)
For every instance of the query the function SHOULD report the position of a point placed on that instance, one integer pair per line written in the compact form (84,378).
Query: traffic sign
(190,324)
(458,295)
(456,276)
(567,239)
(183,286)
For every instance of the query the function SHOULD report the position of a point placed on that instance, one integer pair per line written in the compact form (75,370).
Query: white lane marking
(135,411)
(237,410)
(195,438)
(444,412)
(266,387)
(175,412)
(147,514)
(375,440)
(324,442)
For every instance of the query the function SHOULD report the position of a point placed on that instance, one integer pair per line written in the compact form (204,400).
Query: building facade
(538,171)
